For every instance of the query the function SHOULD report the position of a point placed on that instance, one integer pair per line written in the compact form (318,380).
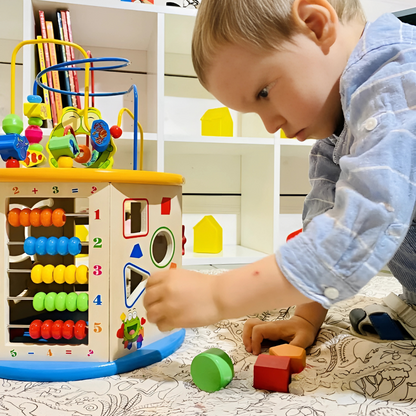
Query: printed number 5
(97,327)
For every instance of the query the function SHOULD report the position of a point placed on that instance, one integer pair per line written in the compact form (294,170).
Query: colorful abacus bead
(41,246)
(13,217)
(58,217)
(70,273)
(24,217)
(34,329)
(46,329)
(47,273)
(36,274)
(50,301)
(35,217)
(74,246)
(63,246)
(82,302)
(46,217)
(60,301)
(82,274)
(68,329)
(29,246)
(80,331)
(39,301)
(59,274)
(71,302)
(52,246)
(57,329)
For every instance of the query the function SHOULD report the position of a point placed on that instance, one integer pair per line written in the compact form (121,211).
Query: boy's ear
(318,19)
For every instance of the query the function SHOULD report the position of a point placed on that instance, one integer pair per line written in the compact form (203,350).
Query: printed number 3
(97,270)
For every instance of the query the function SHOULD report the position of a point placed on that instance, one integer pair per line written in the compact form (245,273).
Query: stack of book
(50,54)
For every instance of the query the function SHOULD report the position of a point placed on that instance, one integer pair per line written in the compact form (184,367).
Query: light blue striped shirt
(362,202)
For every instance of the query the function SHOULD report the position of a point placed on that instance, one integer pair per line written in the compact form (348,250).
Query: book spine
(68,57)
(66,98)
(68,22)
(55,75)
(42,66)
(48,64)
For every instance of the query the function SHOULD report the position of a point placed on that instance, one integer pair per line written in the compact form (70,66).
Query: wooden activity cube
(134,224)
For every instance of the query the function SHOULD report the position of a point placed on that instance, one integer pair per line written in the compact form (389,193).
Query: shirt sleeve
(323,176)
(343,248)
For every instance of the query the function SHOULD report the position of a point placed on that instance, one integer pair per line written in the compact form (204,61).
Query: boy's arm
(313,312)
(254,288)
(178,298)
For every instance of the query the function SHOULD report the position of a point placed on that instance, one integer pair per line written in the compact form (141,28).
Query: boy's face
(296,89)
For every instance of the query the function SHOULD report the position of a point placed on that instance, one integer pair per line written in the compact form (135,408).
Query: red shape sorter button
(165,206)
(272,373)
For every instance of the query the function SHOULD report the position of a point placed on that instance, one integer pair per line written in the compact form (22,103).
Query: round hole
(162,247)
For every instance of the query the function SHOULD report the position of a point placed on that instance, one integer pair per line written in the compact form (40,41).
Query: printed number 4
(98,300)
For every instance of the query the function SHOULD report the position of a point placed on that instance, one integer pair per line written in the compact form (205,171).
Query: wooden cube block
(272,373)
(296,354)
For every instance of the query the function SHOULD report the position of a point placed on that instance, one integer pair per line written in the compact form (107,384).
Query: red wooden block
(165,206)
(272,373)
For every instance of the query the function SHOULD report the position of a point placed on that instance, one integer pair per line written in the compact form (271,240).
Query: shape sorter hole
(162,247)
(135,280)
(135,218)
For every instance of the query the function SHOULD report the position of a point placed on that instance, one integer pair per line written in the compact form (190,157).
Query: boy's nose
(272,123)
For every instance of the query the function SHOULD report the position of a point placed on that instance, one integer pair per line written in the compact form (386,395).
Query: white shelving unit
(240,177)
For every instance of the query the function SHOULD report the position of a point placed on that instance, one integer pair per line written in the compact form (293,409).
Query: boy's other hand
(178,298)
(296,330)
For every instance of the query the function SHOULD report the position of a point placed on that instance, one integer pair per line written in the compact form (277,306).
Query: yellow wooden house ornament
(217,122)
(208,236)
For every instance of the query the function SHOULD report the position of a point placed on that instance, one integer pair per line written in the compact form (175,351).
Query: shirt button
(331,293)
(370,124)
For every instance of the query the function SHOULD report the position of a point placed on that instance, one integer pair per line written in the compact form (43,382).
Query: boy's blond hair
(260,23)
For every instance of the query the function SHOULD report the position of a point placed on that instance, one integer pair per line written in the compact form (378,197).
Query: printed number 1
(97,214)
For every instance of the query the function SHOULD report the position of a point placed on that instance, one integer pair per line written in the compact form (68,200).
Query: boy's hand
(178,298)
(296,330)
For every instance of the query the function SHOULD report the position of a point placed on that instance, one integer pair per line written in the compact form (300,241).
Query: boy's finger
(247,331)
(269,330)
(154,279)
(155,313)
(152,294)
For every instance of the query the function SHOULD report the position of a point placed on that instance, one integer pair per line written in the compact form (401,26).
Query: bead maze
(72,306)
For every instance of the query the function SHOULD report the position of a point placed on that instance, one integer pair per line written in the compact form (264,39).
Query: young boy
(315,69)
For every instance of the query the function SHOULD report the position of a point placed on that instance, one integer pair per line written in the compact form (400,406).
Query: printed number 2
(97,301)
(97,270)
(15,190)
(98,242)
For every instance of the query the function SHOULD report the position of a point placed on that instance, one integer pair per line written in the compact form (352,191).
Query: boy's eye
(264,93)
